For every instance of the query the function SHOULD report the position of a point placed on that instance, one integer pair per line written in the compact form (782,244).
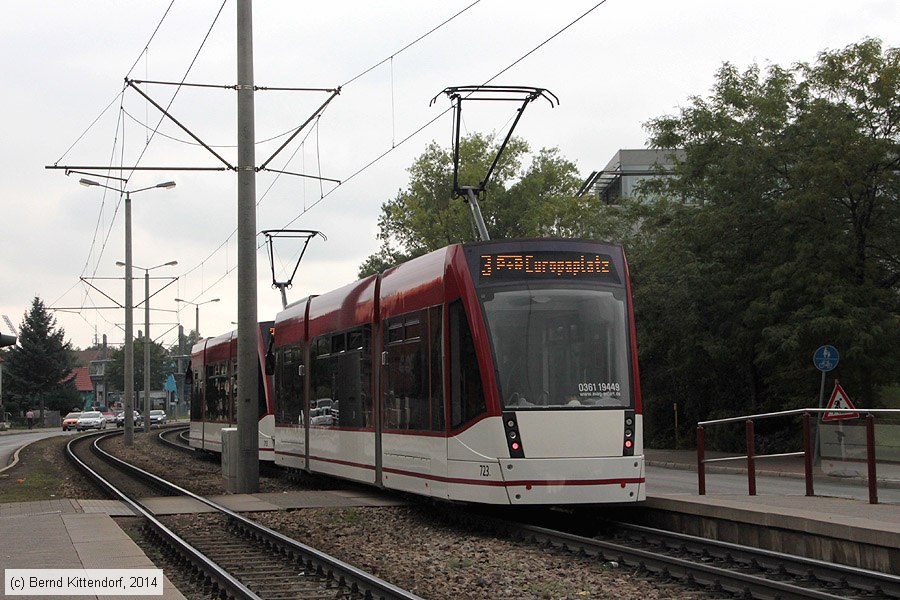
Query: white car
(158,417)
(90,420)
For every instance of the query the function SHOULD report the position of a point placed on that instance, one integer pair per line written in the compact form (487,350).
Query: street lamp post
(197,311)
(147,339)
(129,322)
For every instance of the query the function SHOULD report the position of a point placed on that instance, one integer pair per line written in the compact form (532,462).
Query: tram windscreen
(559,347)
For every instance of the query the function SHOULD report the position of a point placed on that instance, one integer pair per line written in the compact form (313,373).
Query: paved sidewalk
(65,540)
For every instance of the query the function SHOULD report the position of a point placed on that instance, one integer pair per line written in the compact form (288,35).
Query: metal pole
(147,350)
(246,398)
(870,458)
(129,331)
(472,200)
(701,461)
(181,397)
(818,421)
(197,319)
(807,456)
(751,460)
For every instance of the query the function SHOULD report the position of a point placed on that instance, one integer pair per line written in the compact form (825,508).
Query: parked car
(91,420)
(157,417)
(70,421)
(120,418)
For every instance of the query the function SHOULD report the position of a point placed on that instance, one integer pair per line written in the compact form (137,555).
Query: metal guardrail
(807,452)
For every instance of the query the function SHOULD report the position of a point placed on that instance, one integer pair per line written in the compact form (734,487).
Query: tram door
(412,402)
(290,396)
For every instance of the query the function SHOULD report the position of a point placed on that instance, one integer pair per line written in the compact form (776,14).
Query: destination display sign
(547,265)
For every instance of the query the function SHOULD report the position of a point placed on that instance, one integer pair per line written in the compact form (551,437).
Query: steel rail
(171,431)
(224,580)
(707,576)
(836,574)
(356,579)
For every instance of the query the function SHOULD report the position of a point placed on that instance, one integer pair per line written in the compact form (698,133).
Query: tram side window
(436,370)
(407,403)
(229,412)
(413,377)
(216,392)
(289,395)
(341,380)
(196,395)
(466,392)
(262,405)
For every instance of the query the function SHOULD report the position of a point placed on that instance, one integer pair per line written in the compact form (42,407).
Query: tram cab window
(466,391)
(412,379)
(560,347)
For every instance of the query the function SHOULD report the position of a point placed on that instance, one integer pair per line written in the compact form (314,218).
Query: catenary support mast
(247,389)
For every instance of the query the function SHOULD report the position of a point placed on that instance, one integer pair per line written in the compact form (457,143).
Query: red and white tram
(214,386)
(493,372)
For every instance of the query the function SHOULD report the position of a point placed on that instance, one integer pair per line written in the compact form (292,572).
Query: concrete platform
(840,530)
(68,540)
(836,530)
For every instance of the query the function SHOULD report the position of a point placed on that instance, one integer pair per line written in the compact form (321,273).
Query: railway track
(176,437)
(227,554)
(834,579)
(718,567)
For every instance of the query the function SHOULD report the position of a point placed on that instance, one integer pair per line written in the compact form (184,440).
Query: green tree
(36,369)
(789,239)
(518,202)
(115,369)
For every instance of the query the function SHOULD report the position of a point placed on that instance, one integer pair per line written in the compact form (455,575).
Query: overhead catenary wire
(421,128)
(428,123)
(155,130)
(293,129)
(394,143)
(147,143)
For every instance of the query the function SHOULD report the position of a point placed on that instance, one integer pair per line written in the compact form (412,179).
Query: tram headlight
(628,433)
(513,435)
(629,421)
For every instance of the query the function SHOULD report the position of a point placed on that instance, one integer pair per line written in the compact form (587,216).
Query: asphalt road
(11,441)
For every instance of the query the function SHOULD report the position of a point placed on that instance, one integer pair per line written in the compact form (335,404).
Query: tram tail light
(513,437)
(628,435)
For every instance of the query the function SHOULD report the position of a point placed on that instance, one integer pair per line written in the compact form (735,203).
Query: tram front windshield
(559,347)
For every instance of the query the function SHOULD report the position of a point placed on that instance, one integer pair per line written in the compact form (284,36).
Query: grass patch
(43,473)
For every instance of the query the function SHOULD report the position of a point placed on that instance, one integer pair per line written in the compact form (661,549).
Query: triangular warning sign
(839,400)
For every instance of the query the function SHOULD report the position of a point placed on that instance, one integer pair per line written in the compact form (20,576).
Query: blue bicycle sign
(826,358)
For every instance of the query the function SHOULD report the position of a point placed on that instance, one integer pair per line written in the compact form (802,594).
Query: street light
(147,340)
(129,322)
(197,311)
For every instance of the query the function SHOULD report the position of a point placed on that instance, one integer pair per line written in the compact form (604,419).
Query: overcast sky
(64,63)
